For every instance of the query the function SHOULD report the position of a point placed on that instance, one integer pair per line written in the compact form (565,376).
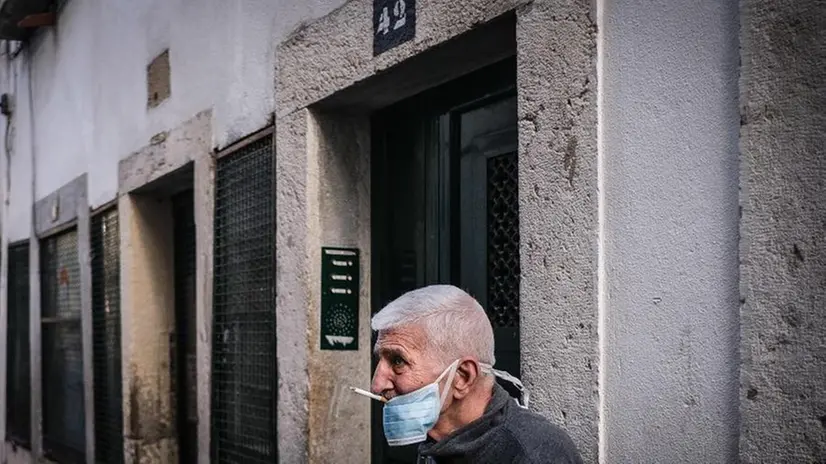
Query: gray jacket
(506,433)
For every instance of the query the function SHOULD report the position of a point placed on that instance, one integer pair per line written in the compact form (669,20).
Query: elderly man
(435,376)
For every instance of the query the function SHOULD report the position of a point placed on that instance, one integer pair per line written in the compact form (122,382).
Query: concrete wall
(558,204)
(669,115)
(628,131)
(148,320)
(89,84)
(323,199)
(783,230)
(342,154)
(558,209)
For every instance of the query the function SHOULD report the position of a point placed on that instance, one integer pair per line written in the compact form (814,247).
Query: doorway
(185,361)
(446,208)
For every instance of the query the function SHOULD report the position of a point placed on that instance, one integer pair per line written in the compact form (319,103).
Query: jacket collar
(464,441)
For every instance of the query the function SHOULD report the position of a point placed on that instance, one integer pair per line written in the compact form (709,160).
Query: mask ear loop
(449,384)
(513,380)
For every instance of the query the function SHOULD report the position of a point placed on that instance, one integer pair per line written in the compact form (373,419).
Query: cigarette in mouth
(368,394)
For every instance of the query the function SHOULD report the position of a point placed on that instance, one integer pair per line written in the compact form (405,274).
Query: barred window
(63,405)
(503,240)
(243,350)
(106,337)
(18,391)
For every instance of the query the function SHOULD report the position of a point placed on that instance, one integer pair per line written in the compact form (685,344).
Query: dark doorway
(446,208)
(184,359)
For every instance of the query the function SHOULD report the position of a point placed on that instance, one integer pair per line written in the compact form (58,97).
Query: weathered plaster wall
(147,268)
(323,199)
(783,229)
(36,344)
(85,260)
(293,271)
(670,178)
(556,77)
(167,151)
(204,191)
(339,173)
(61,206)
(89,82)
(20,206)
(148,318)
(336,51)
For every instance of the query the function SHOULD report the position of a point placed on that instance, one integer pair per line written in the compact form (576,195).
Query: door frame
(434,111)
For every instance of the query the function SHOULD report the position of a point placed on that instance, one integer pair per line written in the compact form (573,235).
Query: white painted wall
(14,81)
(89,84)
(670,113)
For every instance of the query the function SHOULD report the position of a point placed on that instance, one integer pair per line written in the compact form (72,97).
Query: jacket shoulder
(541,440)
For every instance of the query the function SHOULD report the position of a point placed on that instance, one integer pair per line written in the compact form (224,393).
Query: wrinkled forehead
(411,340)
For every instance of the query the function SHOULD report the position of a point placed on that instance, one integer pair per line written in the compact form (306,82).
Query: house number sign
(394,23)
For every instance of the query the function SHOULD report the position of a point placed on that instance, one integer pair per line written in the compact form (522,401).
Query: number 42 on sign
(395,23)
(399,17)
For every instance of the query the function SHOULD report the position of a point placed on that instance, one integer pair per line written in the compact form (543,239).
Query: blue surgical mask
(408,417)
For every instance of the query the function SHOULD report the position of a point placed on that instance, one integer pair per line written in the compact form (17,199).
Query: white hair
(454,322)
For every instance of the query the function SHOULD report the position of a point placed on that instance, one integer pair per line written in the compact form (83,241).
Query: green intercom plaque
(339,298)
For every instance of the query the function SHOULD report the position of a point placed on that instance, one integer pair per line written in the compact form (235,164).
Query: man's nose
(381,379)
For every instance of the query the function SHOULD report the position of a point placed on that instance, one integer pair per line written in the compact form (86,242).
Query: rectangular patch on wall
(339,299)
(158,80)
(394,23)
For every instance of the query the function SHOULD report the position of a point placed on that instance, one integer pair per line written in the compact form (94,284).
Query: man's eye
(396,361)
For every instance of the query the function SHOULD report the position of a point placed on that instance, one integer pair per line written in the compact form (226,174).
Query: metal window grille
(18,391)
(503,240)
(243,350)
(63,405)
(106,336)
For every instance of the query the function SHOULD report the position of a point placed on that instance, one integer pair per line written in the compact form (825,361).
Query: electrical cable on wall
(5,108)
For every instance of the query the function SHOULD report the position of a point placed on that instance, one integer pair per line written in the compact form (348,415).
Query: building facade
(204,202)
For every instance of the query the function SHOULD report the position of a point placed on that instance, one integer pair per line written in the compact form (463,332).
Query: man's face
(403,364)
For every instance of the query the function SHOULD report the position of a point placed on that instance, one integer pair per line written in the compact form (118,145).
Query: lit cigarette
(368,394)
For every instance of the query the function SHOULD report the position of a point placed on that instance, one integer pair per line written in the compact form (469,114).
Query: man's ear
(467,374)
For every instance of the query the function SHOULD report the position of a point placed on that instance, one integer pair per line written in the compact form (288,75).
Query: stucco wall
(669,146)
(556,80)
(89,84)
(783,229)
